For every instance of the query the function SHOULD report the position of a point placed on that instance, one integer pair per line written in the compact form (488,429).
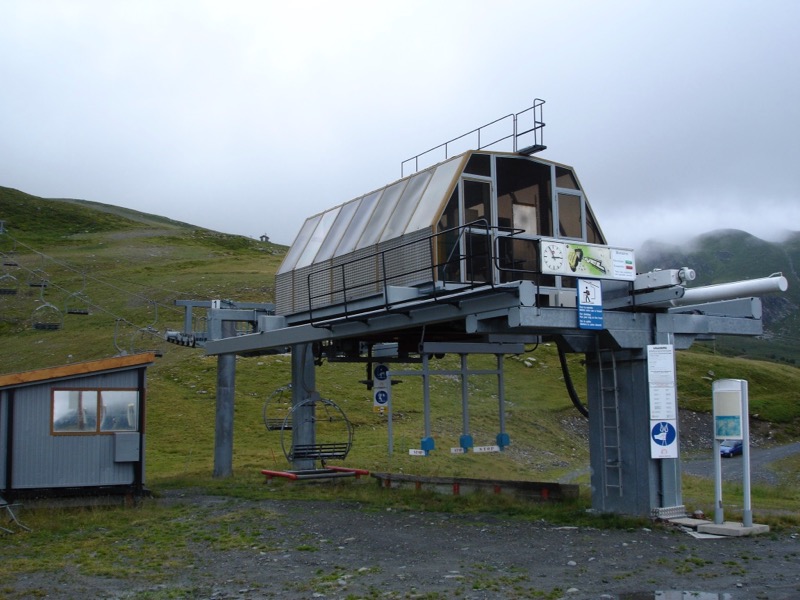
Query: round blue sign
(381,371)
(664,433)
(381,397)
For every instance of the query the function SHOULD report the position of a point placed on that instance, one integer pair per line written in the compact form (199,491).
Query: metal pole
(719,517)
(390,430)
(747,512)
(427,443)
(502,437)
(304,430)
(226,386)
(466,439)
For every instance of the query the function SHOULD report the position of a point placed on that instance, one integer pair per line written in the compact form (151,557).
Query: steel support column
(223,431)
(303,407)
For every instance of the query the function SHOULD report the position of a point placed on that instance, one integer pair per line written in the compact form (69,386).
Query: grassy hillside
(128,269)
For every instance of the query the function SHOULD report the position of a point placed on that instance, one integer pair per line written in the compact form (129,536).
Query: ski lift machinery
(482,252)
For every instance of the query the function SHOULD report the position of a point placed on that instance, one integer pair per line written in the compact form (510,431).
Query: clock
(552,257)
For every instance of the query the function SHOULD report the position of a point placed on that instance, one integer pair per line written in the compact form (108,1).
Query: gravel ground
(344,551)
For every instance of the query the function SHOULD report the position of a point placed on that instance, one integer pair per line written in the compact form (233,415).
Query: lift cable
(95,279)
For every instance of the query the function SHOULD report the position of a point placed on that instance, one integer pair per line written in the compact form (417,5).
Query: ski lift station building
(484,252)
(75,429)
(478,218)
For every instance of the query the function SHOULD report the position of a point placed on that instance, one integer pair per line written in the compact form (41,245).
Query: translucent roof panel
(357,224)
(406,206)
(435,195)
(299,244)
(337,230)
(315,241)
(382,214)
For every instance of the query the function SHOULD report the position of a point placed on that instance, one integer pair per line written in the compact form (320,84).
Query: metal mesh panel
(319,282)
(407,259)
(284,293)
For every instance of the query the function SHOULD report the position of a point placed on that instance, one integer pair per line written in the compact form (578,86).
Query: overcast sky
(246,117)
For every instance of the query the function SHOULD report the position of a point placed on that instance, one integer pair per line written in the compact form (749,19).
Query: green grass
(122,260)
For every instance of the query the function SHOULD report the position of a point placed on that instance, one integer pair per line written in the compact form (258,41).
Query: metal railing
(479,262)
(536,131)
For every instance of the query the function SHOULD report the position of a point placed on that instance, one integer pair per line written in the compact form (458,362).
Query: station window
(523,196)
(479,164)
(91,411)
(569,216)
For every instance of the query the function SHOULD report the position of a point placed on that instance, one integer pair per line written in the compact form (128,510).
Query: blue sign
(663,433)
(381,397)
(381,372)
(590,304)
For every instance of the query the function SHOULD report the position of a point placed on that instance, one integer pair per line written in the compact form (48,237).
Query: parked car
(730,448)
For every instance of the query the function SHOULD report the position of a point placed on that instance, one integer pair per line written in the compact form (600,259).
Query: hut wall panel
(3,436)
(42,460)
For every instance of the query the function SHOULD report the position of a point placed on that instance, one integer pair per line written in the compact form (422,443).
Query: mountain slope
(732,255)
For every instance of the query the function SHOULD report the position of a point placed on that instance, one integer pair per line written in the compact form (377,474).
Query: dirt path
(732,468)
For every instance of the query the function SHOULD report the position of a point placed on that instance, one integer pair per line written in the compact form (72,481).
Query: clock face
(553,257)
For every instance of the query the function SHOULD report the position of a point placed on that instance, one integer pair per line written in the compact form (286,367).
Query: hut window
(94,411)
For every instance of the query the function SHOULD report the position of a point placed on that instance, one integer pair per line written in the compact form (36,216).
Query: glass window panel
(315,241)
(119,410)
(525,218)
(74,411)
(523,195)
(569,216)
(382,214)
(299,244)
(477,201)
(448,254)
(337,230)
(518,258)
(479,164)
(593,233)
(565,179)
(406,206)
(356,227)
(435,195)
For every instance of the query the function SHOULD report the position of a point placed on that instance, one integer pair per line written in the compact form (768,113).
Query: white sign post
(663,401)
(731,423)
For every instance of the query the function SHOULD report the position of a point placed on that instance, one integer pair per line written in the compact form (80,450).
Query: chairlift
(8,258)
(120,351)
(46,317)
(77,297)
(8,285)
(148,333)
(38,278)
(333,431)
(276,407)
(78,301)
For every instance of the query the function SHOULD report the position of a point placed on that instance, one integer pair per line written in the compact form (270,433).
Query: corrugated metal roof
(83,368)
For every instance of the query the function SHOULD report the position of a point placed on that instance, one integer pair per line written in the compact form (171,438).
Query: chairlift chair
(77,298)
(333,432)
(46,317)
(276,407)
(9,260)
(148,333)
(8,285)
(38,279)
